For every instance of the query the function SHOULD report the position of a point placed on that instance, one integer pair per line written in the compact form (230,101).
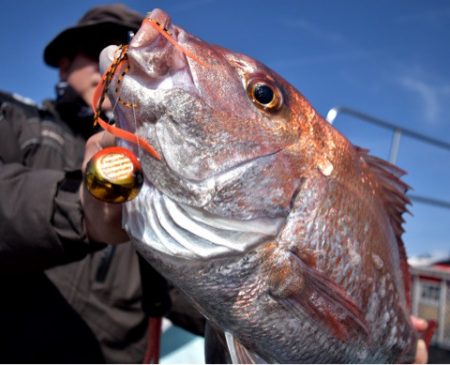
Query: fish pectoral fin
(239,354)
(333,306)
(308,292)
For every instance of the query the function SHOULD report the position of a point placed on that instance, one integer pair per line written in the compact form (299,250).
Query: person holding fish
(67,297)
(57,303)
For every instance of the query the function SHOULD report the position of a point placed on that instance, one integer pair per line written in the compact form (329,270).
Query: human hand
(421,326)
(103,221)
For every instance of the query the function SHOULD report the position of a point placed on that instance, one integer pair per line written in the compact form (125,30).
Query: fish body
(283,233)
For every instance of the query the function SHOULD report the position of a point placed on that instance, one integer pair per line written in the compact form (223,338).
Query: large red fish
(285,235)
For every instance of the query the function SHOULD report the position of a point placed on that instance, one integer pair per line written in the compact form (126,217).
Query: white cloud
(432,94)
(428,95)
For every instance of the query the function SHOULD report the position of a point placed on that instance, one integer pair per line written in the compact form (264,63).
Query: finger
(101,140)
(106,139)
(421,353)
(96,143)
(419,323)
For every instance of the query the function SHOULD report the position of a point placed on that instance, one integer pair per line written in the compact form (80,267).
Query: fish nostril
(145,36)
(146,33)
(159,16)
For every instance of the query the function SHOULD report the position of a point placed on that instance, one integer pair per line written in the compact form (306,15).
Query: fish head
(218,119)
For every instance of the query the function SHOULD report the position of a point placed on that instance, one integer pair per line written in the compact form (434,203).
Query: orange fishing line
(166,35)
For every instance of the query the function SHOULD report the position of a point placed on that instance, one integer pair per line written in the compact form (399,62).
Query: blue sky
(386,58)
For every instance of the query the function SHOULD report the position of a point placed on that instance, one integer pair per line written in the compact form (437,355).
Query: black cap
(98,28)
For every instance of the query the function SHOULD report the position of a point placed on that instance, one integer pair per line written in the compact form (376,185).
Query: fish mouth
(145,37)
(152,60)
(146,34)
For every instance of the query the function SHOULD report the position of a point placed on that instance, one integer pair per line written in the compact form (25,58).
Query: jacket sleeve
(41,224)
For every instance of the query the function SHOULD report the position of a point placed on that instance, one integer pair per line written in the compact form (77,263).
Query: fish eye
(265,94)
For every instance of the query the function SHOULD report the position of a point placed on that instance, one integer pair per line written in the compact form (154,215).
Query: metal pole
(416,295)
(395,146)
(442,304)
(334,112)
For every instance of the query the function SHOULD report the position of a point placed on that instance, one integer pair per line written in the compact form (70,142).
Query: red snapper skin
(283,233)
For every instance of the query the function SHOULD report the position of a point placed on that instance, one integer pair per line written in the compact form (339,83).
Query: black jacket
(64,299)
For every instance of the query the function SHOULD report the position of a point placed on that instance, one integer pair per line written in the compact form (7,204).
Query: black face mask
(74,111)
